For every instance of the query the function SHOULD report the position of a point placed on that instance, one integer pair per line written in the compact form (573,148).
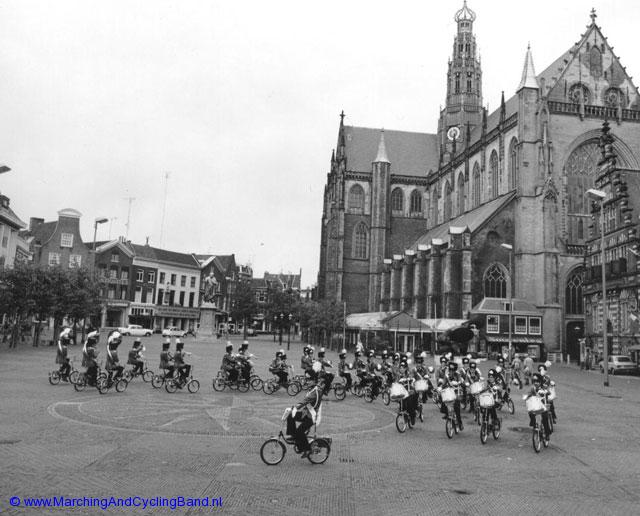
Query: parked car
(619,364)
(135,330)
(251,332)
(478,356)
(173,331)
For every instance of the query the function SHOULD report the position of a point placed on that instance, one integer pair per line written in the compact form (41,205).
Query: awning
(635,347)
(386,321)
(515,339)
(441,325)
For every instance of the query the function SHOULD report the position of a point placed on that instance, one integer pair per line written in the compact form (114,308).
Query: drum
(398,392)
(477,387)
(486,400)
(448,395)
(535,405)
(421,385)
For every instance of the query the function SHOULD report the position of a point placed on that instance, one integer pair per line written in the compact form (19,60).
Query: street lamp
(599,196)
(4,168)
(99,220)
(509,248)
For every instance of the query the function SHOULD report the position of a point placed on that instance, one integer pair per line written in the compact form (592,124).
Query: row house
(114,266)
(11,245)
(58,243)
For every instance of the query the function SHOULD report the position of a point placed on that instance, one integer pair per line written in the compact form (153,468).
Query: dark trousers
(92,374)
(138,366)
(118,370)
(347,378)
(299,432)
(168,371)
(65,369)
(456,409)
(246,372)
(545,421)
(410,404)
(283,377)
(328,380)
(184,371)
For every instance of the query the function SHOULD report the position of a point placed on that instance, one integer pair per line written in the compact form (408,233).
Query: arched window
(416,202)
(434,207)
(457,83)
(462,195)
(513,163)
(475,198)
(397,200)
(495,281)
(469,82)
(446,212)
(573,294)
(360,237)
(356,198)
(493,170)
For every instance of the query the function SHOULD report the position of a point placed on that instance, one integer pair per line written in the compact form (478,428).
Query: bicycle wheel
(73,376)
(368,394)
(193,386)
(483,432)
(103,385)
(448,427)
(54,377)
(476,415)
(339,392)
(219,384)
(147,376)
(243,386)
(157,381)
(170,385)
(121,385)
(293,388)
(357,390)
(511,406)
(256,383)
(269,387)
(386,398)
(320,450)
(497,425)
(401,423)
(128,375)
(420,414)
(535,437)
(272,451)
(80,384)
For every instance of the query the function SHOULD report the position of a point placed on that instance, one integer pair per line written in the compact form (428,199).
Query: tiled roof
(411,154)
(225,261)
(495,305)
(162,255)
(374,321)
(284,280)
(473,219)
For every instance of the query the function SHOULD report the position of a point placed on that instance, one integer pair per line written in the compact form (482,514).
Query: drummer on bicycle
(452,379)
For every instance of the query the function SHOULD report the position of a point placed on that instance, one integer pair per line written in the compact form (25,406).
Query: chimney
(34,222)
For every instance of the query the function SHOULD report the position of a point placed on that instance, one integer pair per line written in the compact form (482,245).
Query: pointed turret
(382,151)
(529,79)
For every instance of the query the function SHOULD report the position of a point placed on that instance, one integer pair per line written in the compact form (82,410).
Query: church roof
(411,154)
(473,219)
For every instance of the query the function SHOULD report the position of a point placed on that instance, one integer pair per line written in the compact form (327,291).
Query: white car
(135,330)
(173,331)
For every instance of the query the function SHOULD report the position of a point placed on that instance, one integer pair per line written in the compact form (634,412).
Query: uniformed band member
(181,366)
(229,363)
(166,359)
(328,377)
(62,354)
(343,368)
(306,414)
(135,355)
(113,362)
(90,356)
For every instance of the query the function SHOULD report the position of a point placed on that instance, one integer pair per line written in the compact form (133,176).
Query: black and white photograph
(337,258)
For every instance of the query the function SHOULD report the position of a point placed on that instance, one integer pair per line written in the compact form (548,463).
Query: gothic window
(581,169)
(573,294)
(580,93)
(360,236)
(462,197)
(469,83)
(595,62)
(613,97)
(493,170)
(446,215)
(513,163)
(457,83)
(476,185)
(434,207)
(356,198)
(397,200)
(495,281)
(416,202)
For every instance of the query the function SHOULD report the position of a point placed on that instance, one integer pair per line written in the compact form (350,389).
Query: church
(494,205)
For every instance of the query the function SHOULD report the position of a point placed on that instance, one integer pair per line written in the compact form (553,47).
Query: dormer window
(66,240)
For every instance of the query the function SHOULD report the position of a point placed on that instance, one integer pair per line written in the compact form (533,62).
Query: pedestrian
(587,359)
(528,369)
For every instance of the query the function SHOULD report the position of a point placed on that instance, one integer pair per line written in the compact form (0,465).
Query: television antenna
(130,199)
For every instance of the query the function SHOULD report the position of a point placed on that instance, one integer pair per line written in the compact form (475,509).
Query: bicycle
(55,376)
(82,381)
(158,380)
(221,381)
(474,391)
(147,374)
(174,383)
(274,449)
(506,400)
(403,418)
(274,384)
(537,406)
(449,396)
(487,401)
(104,384)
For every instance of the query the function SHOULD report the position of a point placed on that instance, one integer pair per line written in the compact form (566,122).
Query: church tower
(464,89)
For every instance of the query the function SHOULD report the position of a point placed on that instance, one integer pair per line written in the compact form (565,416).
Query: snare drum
(448,395)
(477,387)
(421,385)
(486,400)
(535,405)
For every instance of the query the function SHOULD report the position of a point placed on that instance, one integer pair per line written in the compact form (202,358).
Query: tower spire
(382,150)
(529,79)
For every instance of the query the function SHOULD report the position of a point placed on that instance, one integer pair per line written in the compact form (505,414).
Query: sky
(239,102)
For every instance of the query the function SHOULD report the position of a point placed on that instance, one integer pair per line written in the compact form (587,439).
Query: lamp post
(599,196)
(509,248)
(99,220)
(289,332)
(4,168)
(281,317)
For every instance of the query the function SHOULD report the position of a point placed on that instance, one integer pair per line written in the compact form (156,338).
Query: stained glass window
(573,294)
(495,281)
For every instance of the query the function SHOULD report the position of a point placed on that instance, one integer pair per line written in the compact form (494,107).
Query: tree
(244,305)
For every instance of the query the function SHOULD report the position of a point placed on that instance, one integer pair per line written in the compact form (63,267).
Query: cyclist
(113,362)
(408,376)
(135,356)
(528,369)
(495,387)
(361,368)
(442,370)
(424,372)
(181,366)
(546,383)
(62,359)
(372,377)
(276,367)
(328,377)
(395,366)
(343,368)
(452,379)
(306,413)
(538,389)
(166,359)
(90,356)
(473,375)
(306,362)
(229,363)
(516,367)
(243,360)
